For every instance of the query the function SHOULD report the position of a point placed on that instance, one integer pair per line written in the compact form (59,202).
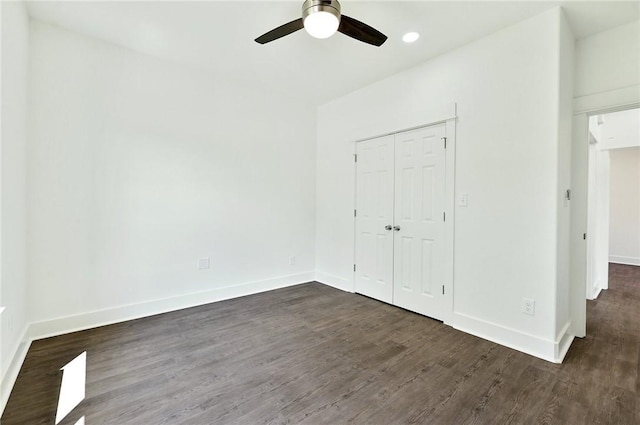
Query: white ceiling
(218,35)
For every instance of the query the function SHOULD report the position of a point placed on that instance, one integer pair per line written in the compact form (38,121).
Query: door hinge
(442,289)
(444,216)
(354,267)
(584,236)
(355,213)
(444,139)
(355,157)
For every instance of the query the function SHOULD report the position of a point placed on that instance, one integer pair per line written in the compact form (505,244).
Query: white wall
(565,118)
(624,233)
(506,87)
(608,60)
(620,129)
(13,296)
(138,167)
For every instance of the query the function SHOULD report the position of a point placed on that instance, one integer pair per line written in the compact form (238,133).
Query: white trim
(408,120)
(620,259)
(597,288)
(579,224)
(94,319)
(563,342)
(618,98)
(335,281)
(109,316)
(449,224)
(551,351)
(10,375)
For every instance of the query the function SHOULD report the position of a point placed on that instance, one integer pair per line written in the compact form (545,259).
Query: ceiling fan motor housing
(312,6)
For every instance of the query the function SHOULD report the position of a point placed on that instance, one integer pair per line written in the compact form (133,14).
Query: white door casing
(374,206)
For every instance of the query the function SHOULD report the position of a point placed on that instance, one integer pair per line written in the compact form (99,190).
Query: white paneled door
(419,219)
(374,218)
(400,221)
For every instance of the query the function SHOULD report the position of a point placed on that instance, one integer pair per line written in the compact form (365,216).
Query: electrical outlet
(528,306)
(203,263)
(292,260)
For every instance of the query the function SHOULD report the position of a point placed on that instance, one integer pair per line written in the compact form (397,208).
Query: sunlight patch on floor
(72,389)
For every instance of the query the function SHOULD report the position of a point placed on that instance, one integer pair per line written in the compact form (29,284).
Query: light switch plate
(463,200)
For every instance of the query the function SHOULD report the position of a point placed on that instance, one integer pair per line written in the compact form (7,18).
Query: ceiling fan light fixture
(321,24)
(321,17)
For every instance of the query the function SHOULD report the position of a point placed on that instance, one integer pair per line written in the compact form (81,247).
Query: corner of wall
(334,281)
(14,23)
(10,374)
(563,342)
(565,70)
(507,336)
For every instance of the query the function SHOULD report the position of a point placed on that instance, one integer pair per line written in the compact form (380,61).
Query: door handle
(396,228)
(388,227)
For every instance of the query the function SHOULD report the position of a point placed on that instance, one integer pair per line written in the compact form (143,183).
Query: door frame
(598,220)
(585,107)
(449,206)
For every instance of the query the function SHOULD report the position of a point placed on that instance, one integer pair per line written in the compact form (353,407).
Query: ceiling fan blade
(361,31)
(281,31)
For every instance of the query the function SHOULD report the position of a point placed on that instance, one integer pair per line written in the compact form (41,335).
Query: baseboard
(563,342)
(596,292)
(11,374)
(629,261)
(94,319)
(98,318)
(551,351)
(335,281)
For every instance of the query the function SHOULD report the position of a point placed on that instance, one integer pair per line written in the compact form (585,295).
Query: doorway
(613,205)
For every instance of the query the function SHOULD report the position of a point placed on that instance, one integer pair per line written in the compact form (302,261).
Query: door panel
(374,206)
(419,206)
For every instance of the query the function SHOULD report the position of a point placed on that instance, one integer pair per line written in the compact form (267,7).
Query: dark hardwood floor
(311,354)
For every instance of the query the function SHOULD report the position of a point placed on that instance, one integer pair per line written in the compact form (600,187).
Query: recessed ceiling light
(410,37)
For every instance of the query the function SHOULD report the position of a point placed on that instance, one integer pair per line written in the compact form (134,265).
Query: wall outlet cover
(528,306)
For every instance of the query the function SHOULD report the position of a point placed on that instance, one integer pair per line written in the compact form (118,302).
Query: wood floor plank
(311,354)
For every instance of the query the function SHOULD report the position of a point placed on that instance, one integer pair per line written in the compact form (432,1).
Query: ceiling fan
(321,19)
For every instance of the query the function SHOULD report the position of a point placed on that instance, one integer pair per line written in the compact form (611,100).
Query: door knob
(388,227)
(396,228)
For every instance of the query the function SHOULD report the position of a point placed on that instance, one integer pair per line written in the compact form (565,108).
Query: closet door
(419,208)
(374,218)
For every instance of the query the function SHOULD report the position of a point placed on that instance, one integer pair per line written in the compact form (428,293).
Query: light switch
(463,200)
(203,263)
